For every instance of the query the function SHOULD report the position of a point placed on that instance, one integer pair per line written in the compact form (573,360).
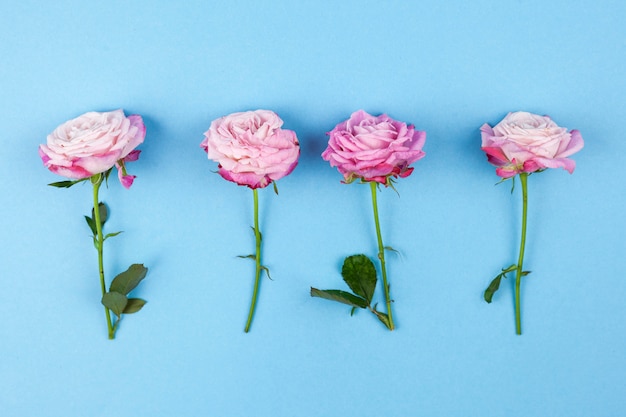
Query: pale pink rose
(93,143)
(251,148)
(374,148)
(526,142)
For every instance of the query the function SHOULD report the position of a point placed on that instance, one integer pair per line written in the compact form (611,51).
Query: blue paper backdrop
(447,67)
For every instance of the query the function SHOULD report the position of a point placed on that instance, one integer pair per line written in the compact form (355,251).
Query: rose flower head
(251,149)
(526,142)
(374,148)
(93,143)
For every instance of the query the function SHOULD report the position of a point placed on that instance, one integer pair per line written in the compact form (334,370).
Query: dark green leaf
(92,225)
(103,213)
(340,296)
(493,287)
(359,273)
(352,310)
(524,273)
(495,284)
(64,184)
(115,302)
(253,257)
(129,279)
(134,305)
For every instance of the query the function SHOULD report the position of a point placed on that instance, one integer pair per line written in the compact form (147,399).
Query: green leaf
(340,296)
(64,184)
(103,213)
(359,273)
(134,305)
(108,235)
(493,287)
(92,225)
(115,302)
(129,279)
(253,257)
(495,283)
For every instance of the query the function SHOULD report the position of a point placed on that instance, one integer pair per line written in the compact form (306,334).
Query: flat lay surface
(445,67)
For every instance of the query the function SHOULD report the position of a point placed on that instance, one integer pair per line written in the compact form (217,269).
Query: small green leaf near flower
(66,184)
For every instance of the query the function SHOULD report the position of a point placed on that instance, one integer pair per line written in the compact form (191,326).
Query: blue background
(447,67)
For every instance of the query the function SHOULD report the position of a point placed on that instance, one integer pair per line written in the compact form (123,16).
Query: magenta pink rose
(251,148)
(374,148)
(93,143)
(526,142)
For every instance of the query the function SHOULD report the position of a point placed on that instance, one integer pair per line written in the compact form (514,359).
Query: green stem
(257,236)
(519,272)
(381,255)
(96,180)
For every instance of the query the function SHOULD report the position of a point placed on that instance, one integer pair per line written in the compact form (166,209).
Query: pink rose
(526,142)
(251,148)
(374,148)
(93,143)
